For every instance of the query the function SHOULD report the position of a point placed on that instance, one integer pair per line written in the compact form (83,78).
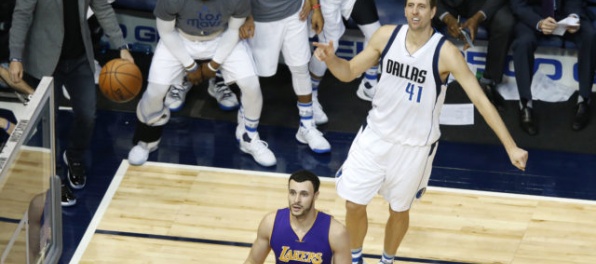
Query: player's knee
(355,208)
(317,67)
(251,91)
(301,79)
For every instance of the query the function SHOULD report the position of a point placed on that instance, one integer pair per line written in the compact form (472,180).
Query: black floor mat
(346,112)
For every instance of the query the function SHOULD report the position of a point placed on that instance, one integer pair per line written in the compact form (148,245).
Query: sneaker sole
(228,108)
(176,109)
(69,204)
(318,151)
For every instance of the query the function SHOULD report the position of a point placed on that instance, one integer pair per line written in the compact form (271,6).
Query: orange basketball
(120,80)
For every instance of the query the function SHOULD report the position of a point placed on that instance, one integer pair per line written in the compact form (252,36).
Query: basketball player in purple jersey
(205,31)
(300,233)
(392,154)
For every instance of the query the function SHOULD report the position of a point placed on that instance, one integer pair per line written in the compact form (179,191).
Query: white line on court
(103,206)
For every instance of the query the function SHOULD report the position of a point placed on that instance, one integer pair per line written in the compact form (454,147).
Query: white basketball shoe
(318,113)
(314,138)
(366,89)
(226,99)
(176,96)
(258,149)
(139,154)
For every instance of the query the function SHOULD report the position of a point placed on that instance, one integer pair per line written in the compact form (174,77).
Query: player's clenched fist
(324,51)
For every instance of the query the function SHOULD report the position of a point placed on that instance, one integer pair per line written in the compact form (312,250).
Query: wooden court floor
(166,213)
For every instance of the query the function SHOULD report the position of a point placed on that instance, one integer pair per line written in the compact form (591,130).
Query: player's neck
(415,39)
(420,36)
(304,222)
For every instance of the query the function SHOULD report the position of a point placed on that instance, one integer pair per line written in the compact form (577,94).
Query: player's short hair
(305,175)
(433,3)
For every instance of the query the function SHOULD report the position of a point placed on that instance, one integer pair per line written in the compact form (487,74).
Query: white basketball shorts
(289,35)
(399,173)
(332,11)
(166,69)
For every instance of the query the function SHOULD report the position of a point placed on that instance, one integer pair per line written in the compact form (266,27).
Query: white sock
(306,114)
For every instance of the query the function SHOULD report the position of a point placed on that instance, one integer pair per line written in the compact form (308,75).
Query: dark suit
(526,36)
(37,36)
(499,23)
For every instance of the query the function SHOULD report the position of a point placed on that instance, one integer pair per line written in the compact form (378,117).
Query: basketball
(120,80)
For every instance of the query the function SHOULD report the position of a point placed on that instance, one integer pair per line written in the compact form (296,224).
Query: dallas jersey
(314,246)
(410,93)
(201,18)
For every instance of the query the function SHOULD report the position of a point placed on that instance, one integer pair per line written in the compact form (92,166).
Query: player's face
(419,13)
(301,198)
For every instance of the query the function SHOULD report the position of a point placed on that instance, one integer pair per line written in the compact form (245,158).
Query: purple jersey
(314,247)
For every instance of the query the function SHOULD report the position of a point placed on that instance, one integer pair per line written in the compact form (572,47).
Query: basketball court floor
(200,200)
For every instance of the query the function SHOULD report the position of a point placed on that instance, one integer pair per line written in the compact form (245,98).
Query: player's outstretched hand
(518,158)
(324,51)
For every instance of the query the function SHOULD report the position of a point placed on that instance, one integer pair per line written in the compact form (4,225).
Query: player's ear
(316,195)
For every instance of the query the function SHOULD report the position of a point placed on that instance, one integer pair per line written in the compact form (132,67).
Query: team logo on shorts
(420,193)
(339,172)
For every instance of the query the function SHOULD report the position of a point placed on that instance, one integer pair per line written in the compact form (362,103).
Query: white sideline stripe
(103,206)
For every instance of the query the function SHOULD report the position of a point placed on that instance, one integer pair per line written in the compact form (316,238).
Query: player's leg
(358,181)
(366,17)
(408,173)
(296,52)
(238,68)
(332,31)
(152,113)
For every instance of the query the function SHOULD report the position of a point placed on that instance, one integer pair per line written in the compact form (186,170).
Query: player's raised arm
(347,71)
(451,61)
(261,248)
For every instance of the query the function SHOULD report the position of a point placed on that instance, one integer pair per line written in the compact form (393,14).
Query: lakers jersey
(410,93)
(314,246)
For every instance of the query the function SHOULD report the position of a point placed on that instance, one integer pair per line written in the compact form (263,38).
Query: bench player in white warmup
(279,25)
(364,13)
(204,31)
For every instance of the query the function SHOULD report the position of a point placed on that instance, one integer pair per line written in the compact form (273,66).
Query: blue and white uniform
(392,155)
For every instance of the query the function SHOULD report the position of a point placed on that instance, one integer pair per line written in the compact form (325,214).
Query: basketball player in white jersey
(364,13)
(205,31)
(393,154)
(279,25)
